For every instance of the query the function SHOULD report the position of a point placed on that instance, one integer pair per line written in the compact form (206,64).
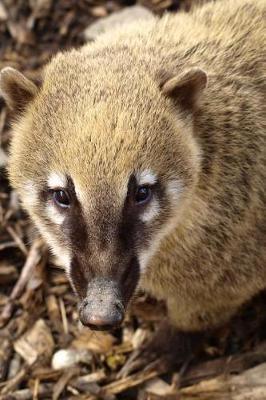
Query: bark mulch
(44,352)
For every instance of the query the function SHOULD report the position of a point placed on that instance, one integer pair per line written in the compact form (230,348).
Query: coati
(141,158)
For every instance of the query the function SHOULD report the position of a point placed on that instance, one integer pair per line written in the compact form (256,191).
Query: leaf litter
(44,351)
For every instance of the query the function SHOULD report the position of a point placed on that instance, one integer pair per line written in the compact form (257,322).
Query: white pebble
(66,358)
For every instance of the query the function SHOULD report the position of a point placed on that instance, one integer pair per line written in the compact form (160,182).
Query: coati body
(142,160)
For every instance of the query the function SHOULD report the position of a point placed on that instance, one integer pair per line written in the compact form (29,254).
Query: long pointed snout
(102,309)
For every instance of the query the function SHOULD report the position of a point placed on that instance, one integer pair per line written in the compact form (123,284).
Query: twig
(14,382)
(246,386)
(134,379)
(225,365)
(63,315)
(45,391)
(6,245)
(17,239)
(63,381)
(32,260)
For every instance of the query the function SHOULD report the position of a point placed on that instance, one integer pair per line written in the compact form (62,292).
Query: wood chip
(5,354)
(13,383)
(97,342)
(134,380)
(54,312)
(36,344)
(63,381)
(8,273)
(32,260)
(249,385)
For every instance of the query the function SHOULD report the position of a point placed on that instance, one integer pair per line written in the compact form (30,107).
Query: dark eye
(143,195)
(61,198)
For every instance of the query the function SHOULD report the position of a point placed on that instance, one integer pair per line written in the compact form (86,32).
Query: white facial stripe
(146,177)
(30,195)
(64,258)
(30,199)
(151,212)
(61,253)
(56,180)
(174,189)
(81,194)
(147,254)
(54,215)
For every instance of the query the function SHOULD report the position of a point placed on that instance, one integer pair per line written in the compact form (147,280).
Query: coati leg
(168,345)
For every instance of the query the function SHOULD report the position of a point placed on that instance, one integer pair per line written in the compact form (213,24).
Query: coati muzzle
(102,309)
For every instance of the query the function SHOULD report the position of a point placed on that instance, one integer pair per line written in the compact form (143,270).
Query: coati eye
(143,194)
(61,198)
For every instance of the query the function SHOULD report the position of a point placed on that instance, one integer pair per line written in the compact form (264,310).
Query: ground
(44,352)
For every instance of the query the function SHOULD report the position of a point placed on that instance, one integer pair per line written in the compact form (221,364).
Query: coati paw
(168,348)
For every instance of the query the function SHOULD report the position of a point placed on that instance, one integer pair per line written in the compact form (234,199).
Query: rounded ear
(16,89)
(186,87)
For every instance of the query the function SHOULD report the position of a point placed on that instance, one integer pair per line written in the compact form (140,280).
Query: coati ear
(16,89)
(185,88)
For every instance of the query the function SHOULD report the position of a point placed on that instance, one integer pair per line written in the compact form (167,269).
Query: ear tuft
(186,87)
(16,89)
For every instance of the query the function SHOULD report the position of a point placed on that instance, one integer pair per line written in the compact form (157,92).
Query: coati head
(105,161)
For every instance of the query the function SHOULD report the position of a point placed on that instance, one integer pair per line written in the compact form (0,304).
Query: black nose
(98,316)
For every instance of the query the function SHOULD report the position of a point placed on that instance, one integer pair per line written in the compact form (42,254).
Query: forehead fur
(100,114)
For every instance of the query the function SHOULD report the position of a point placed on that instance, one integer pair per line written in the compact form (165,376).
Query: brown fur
(116,106)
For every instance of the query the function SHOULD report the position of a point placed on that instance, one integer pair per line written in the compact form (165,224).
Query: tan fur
(101,113)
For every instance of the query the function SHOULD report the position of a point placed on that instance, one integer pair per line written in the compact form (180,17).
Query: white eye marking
(54,215)
(64,258)
(174,189)
(80,192)
(30,195)
(57,180)
(61,253)
(146,177)
(81,195)
(146,254)
(151,212)
(144,258)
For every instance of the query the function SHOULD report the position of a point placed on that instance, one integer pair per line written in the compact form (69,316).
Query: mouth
(102,328)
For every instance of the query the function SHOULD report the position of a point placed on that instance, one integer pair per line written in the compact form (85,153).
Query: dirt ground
(44,352)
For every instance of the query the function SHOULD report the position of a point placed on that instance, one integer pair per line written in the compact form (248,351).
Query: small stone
(99,12)
(158,387)
(66,358)
(119,18)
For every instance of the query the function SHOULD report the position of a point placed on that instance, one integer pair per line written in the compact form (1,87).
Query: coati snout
(104,293)
(103,307)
